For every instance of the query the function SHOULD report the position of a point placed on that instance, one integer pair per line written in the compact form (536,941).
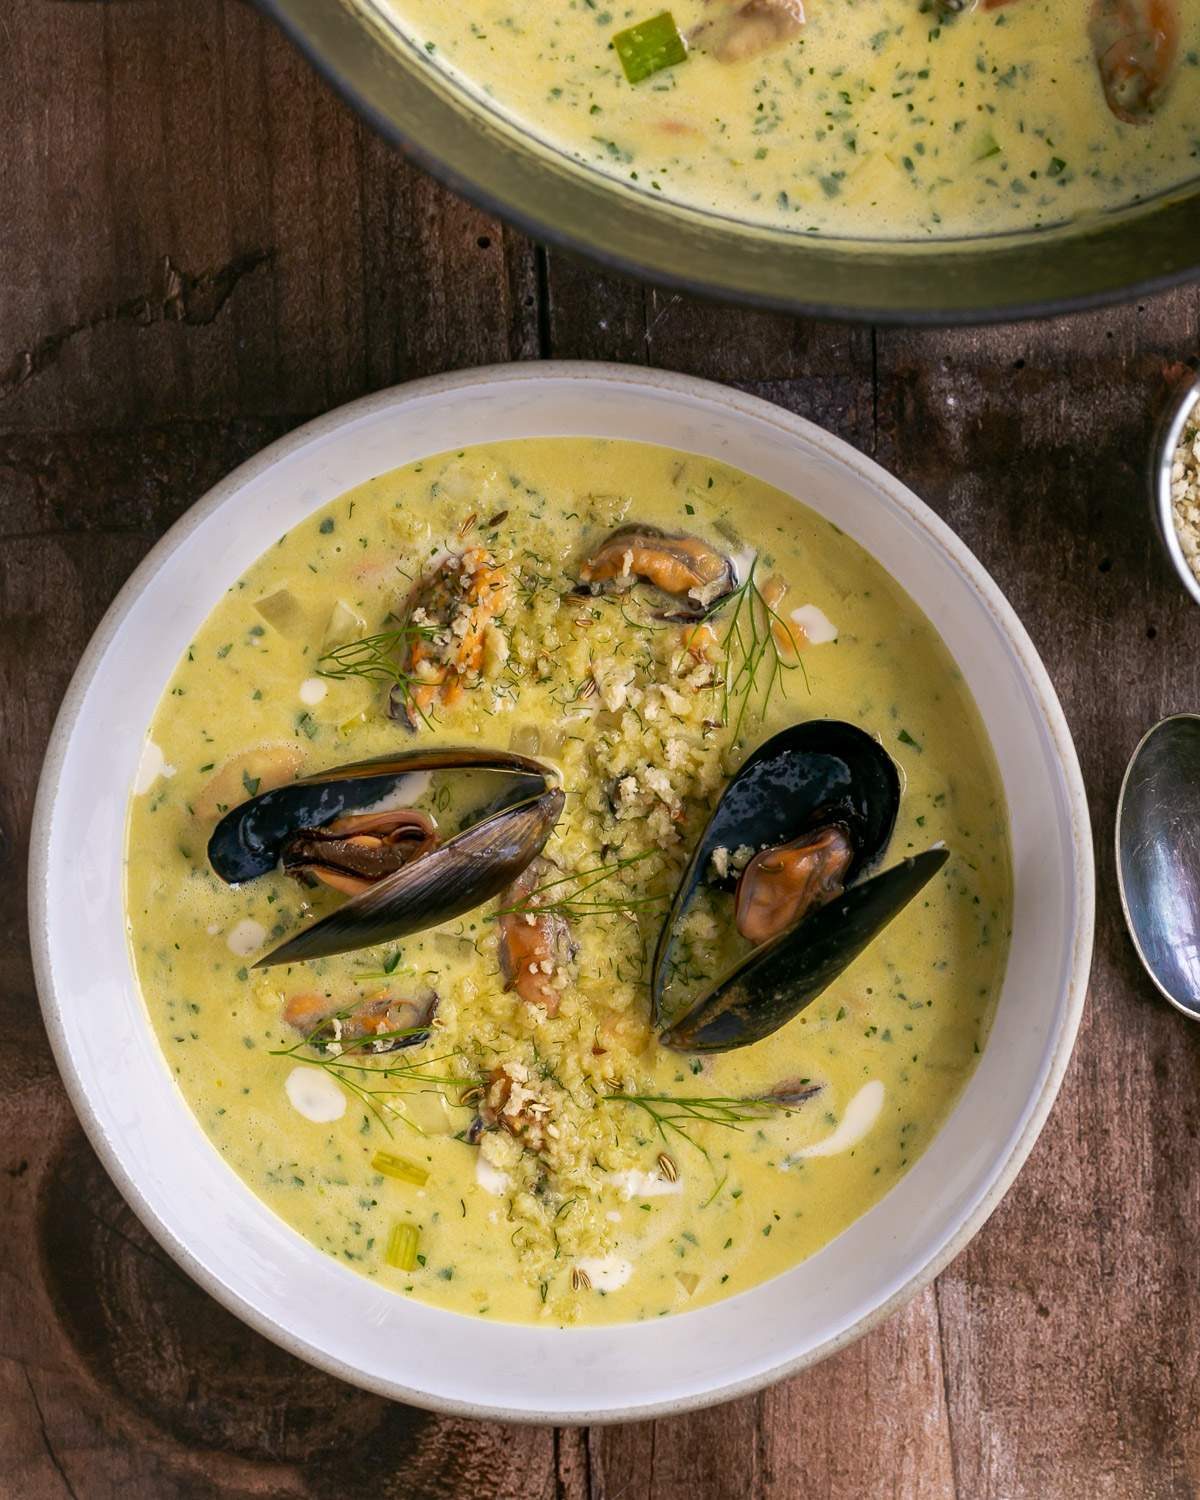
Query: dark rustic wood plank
(871,1421)
(199,228)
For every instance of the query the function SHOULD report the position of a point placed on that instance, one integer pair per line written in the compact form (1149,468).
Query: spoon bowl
(1158,857)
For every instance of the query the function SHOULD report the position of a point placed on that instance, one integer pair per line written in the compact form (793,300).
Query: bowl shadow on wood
(168,1357)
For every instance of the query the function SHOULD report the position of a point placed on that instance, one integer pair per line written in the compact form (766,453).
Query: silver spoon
(1158,857)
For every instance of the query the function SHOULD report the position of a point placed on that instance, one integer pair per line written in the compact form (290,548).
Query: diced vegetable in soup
(869,118)
(569,880)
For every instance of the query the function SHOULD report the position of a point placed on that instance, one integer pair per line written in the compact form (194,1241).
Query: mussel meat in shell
(249,840)
(779,885)
(688,570)
(535,943)
(781,977)
(748,28)
(352,827)
(1136,46)
(459,875)
(350,854)
(808,814)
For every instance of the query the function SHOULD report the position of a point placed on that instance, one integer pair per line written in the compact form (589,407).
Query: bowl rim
(346,82)
(1183,404)
(1076,807)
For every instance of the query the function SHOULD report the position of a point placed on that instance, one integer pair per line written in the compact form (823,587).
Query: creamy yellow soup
(878,119)
(541,1155)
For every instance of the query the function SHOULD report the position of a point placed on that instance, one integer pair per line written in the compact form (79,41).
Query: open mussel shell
(808,776)
(249,840)
(462,873)
(780,978)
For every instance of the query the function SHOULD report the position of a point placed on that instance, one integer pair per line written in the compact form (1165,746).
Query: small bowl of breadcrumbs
(1177,486)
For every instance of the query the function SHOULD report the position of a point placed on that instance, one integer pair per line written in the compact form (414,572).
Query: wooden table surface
(201,248)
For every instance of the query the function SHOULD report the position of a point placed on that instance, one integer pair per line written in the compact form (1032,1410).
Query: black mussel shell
(461,874)
(779,979)
(249,840)
(806,777)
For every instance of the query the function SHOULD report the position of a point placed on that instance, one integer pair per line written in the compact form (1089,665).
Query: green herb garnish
(751,641)
(345,1059)
(731,1112)
(377,658)
(571,904)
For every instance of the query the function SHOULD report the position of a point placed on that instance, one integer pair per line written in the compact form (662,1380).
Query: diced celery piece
(399,1167)
(345,624)
(649,46)
(987,145)
(402,1247)
(284,612)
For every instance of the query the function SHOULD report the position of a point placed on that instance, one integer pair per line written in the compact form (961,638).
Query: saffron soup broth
(484,1114)
(880,119)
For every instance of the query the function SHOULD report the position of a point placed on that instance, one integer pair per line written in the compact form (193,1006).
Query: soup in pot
(882,119)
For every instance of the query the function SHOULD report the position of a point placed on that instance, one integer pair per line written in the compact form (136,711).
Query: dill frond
(754,663)
(345,1061)
(679,1113)
(573,903)
(377,658)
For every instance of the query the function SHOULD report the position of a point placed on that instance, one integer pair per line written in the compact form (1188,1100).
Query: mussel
(385,1021)
(351,854)
(535,943)
(747,28)
(805,817)
(354,828)
(1136,46)
(685,568)
(449,622)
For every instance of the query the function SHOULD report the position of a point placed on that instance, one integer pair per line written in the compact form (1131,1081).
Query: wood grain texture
(200,248)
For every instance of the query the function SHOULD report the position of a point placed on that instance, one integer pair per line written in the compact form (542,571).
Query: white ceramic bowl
(229,1240)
